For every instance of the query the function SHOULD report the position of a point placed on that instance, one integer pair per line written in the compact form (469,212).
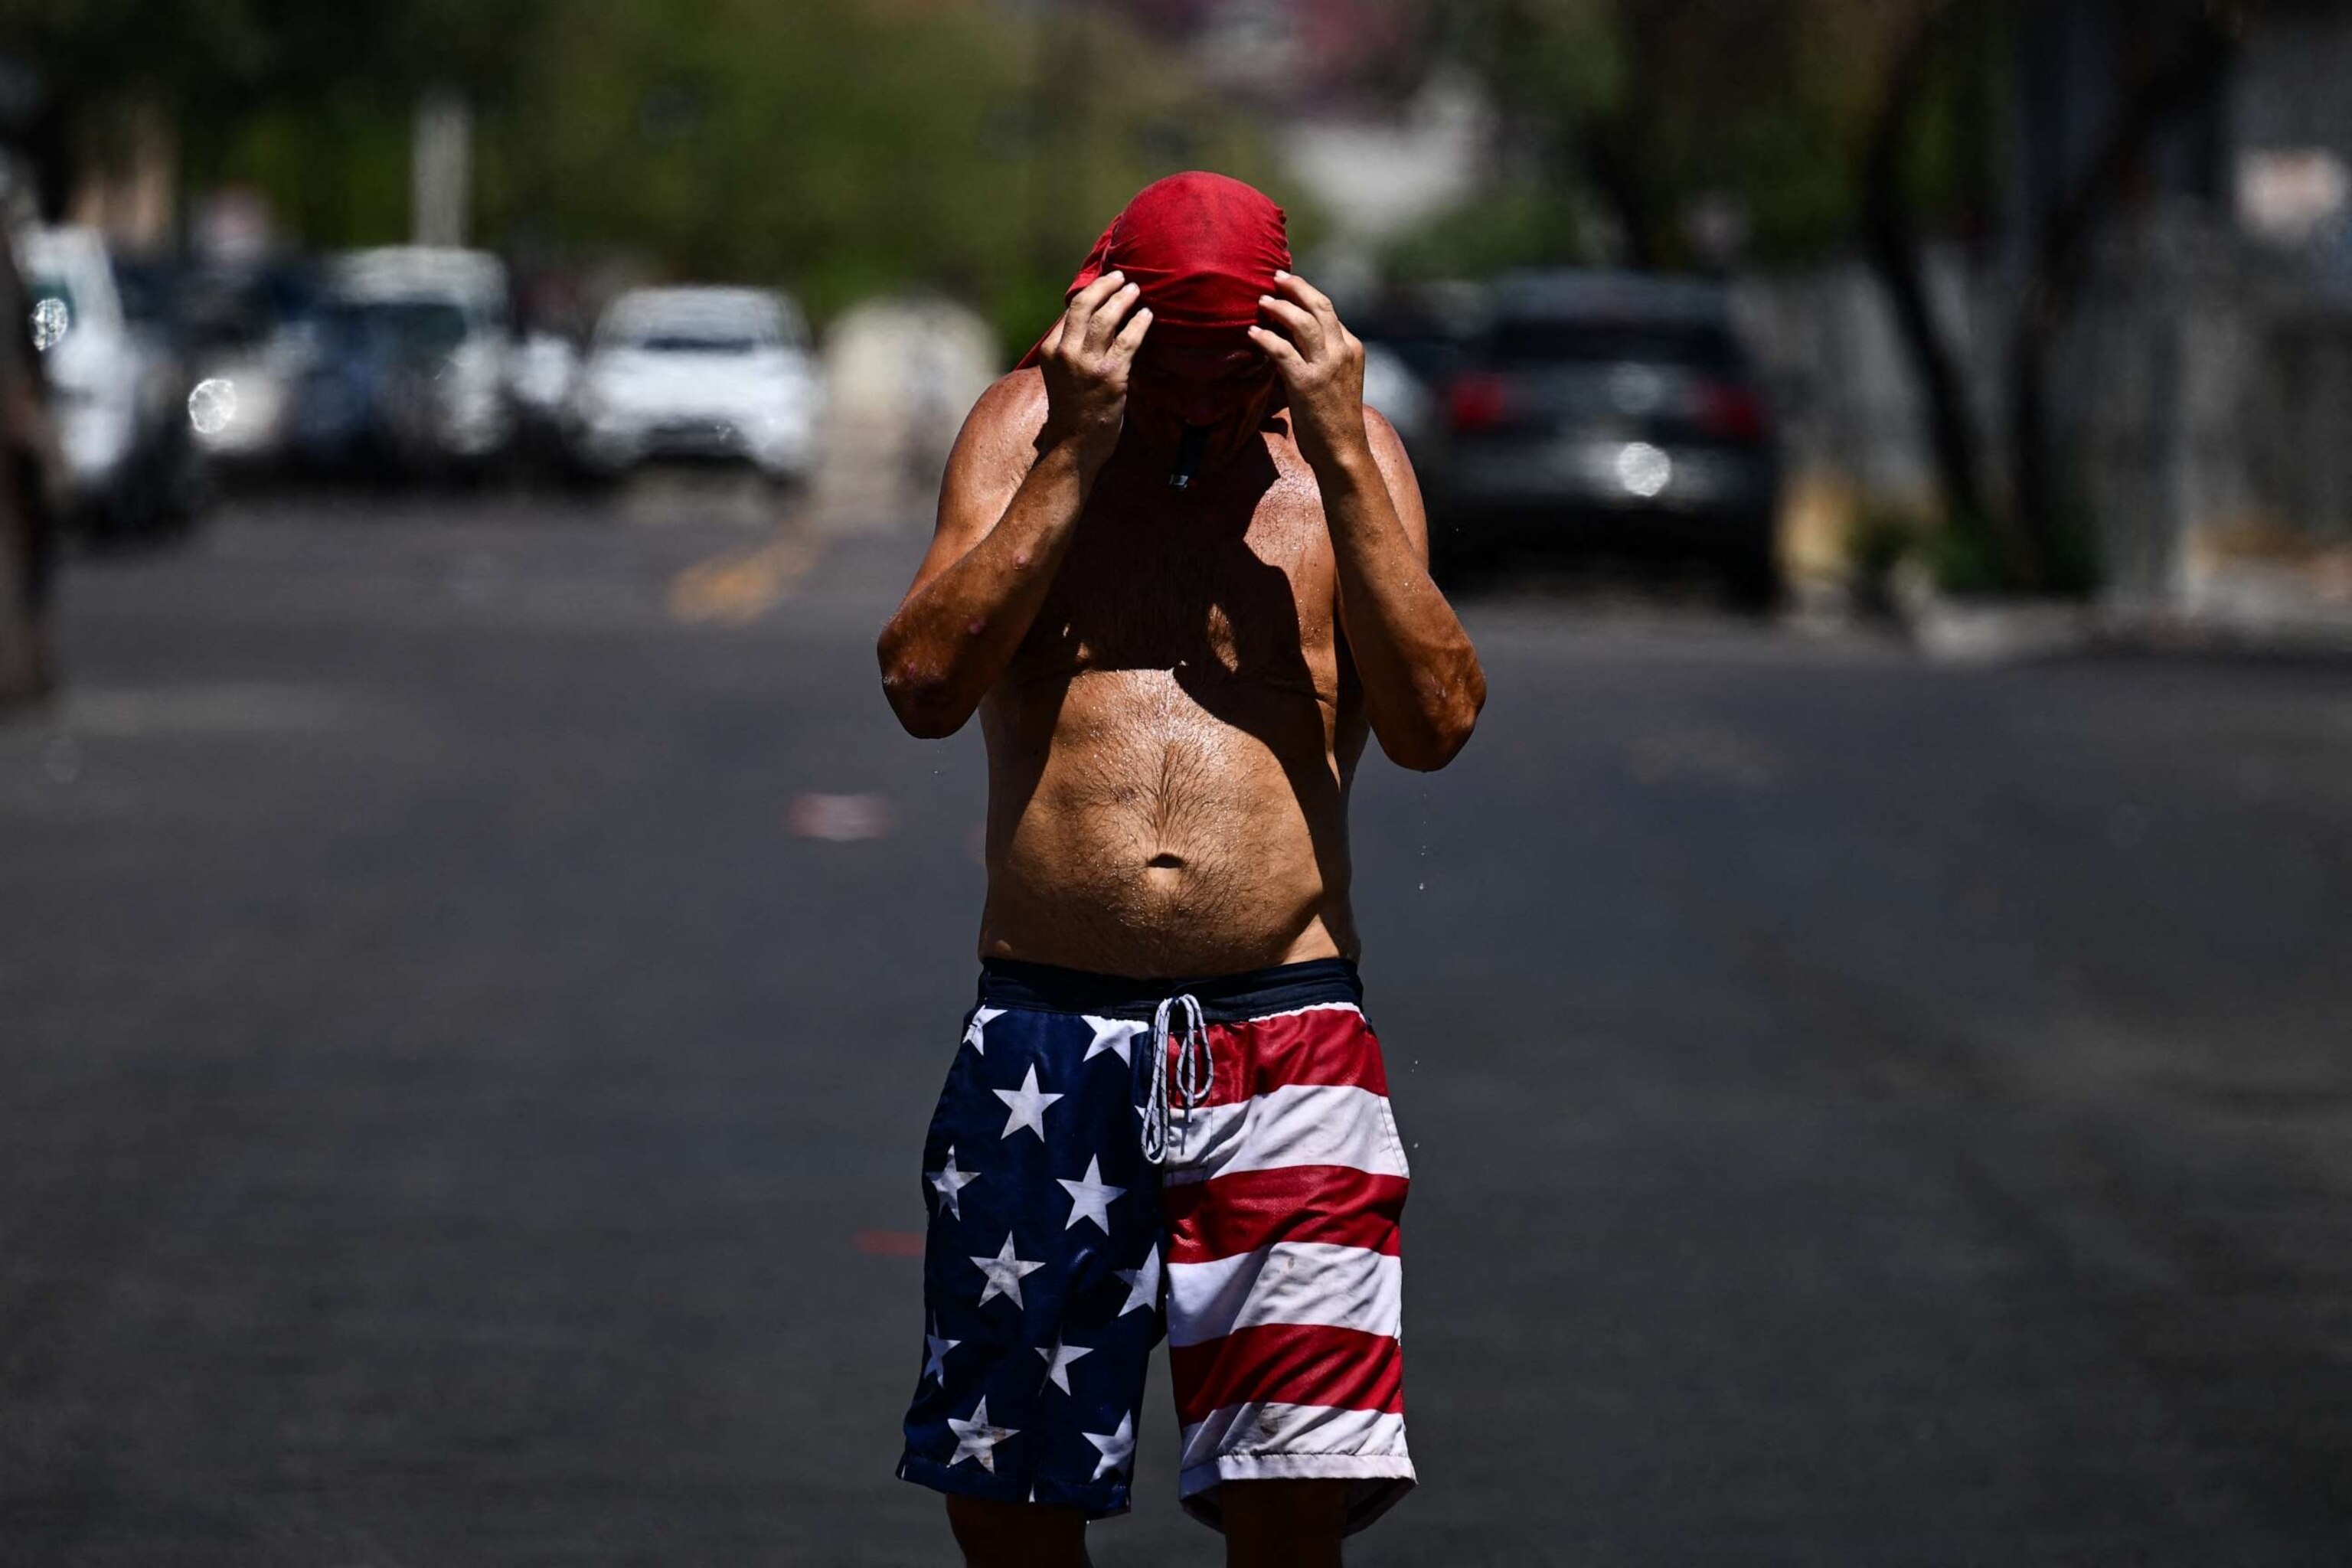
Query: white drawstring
(1163,1140)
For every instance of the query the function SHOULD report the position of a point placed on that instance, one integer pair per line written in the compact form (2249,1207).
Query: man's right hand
(1087,359)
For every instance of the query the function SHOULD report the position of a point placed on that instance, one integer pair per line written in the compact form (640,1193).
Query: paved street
(473,980)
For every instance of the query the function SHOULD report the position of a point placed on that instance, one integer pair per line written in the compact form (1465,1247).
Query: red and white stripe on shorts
(1285,1278)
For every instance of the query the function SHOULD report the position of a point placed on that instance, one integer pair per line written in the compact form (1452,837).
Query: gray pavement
(457,1113)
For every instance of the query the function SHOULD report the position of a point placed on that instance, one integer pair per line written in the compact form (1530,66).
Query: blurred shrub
(1889,536)
(1619,120)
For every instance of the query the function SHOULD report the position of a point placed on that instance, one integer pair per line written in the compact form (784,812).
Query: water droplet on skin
(51,319)
(212,404)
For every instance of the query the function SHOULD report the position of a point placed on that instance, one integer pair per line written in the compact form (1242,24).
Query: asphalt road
(473,981)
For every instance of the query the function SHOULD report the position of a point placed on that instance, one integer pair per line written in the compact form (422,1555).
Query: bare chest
(1231,584)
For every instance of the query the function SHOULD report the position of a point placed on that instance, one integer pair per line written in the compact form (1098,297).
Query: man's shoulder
(1015,400)
(998,442)
(1388,446)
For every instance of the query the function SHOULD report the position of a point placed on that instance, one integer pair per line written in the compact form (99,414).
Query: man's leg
(1019,1535)
(1284,1524)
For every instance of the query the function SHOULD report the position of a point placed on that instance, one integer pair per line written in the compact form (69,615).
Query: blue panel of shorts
(993,1378)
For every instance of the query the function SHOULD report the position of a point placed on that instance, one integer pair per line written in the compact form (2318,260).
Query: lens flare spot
(1645,470)
(51,320)
(212,404)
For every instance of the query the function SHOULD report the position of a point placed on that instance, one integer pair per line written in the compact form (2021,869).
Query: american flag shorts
(1262,1241)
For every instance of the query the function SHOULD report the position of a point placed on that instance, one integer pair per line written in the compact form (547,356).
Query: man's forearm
(952,639)
(1422,686)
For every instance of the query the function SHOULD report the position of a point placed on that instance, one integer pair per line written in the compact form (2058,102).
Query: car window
(228,320)
(420,326)
(700,340)
(1532,341)
(146,291)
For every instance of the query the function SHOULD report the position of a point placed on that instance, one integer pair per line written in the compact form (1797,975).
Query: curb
(1992,632)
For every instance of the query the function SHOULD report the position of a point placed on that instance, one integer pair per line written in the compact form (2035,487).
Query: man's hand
(1322,365)
(1087,359)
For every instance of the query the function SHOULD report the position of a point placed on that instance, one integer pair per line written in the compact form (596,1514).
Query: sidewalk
(2247,608)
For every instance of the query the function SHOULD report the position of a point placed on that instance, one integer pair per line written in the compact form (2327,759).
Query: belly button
(1166,862)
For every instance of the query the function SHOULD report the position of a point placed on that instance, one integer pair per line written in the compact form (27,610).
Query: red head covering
(1203,249)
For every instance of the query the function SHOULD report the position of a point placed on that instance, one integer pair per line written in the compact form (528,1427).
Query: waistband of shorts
(1224,998)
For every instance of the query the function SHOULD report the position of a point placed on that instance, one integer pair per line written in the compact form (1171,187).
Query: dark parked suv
(1610,413)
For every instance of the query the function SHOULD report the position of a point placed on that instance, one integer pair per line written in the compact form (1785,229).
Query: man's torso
(1169,751)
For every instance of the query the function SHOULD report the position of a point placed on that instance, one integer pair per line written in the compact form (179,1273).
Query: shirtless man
(1179,573)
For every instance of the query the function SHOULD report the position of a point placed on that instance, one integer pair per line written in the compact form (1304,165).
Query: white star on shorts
(950,1181)
(975,1033)
(1142,1284)
(1028,1103)
(935,1364)
(1004,1272)
(1058,1360)
(1112,1035)
(976,1439)
(1117,1446)
(1091,1197)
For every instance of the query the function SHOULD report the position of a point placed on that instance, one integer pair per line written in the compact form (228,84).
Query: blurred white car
(119,394)
(252,339)
(1391,386)
(422,342)
(698,373)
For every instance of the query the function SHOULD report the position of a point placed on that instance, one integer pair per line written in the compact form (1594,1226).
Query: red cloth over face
(1201,248)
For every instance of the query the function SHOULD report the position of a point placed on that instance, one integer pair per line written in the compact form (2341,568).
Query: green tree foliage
(845,148)
(309,101)
(1629,110)
(211,62)
(841,147)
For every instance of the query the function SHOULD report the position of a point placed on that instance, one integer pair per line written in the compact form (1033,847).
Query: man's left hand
(1322,365)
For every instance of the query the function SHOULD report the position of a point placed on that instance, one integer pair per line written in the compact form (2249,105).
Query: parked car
(1610,410)
(118,390)
(252,334)
(704,372)
(411,362)
(1391,386)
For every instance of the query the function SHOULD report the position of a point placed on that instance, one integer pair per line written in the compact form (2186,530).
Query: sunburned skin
(1170,748)
(1176,684)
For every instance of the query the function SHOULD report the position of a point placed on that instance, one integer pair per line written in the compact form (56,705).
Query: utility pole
(440,169)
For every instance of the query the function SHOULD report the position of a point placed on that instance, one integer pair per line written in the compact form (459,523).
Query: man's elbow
(1439,743)
(924,700)
(1446,721)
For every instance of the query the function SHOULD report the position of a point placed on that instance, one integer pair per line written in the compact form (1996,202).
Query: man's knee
(1296,1523)
(1017,1535)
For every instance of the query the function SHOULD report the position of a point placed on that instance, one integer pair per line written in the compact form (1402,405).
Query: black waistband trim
(1224,998)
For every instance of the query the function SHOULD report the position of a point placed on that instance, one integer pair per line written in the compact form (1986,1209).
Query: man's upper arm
(992,454)
(1396,472)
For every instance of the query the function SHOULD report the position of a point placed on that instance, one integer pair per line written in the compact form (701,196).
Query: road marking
(839,818)
(739,586)
(888,1243)
(224,708)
